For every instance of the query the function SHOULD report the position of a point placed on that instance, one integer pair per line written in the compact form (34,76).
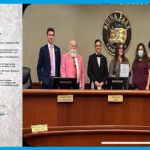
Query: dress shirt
(51,47)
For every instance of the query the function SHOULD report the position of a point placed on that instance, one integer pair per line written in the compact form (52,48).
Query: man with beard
(72,65)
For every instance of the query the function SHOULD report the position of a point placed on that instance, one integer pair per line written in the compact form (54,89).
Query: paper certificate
(124,70)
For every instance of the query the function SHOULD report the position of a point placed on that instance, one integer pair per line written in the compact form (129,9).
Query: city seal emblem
(116,29)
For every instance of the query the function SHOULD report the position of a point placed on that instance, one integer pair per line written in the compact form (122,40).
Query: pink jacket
(67,69)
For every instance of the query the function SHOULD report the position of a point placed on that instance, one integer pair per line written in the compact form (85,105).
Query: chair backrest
(115,83)
(27,82)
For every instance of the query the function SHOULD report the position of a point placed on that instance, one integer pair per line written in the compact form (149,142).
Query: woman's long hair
(117,51)
(145,56)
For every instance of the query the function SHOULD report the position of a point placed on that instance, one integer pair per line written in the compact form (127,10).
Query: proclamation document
(10,75)
(124,70)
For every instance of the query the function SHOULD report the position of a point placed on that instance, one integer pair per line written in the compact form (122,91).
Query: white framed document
(124,70)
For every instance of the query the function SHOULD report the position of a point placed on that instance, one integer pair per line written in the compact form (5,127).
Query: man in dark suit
(49,61)
(97,66)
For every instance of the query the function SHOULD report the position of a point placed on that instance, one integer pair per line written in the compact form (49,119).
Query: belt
(52,77)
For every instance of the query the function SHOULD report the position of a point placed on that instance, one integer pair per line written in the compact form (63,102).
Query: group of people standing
(71,64)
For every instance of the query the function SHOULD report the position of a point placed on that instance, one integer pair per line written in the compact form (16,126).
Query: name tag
(39,128)
(115,98)
(65,98)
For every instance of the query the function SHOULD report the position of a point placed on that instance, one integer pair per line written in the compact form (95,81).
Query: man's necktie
(52,60)
(98,56)
(74,67)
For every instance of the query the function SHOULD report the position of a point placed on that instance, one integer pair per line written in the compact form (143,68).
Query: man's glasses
(98,45)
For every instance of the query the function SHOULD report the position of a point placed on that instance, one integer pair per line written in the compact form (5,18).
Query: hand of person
(101,84)
(147,87)
(40,82)
(97,83)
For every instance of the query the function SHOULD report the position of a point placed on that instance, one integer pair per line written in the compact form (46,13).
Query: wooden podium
(90,117)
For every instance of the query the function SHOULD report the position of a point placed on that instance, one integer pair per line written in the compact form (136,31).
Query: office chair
(27,82)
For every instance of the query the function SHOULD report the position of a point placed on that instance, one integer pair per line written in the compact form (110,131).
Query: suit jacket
(114,67)
(67,69)
(44,66)
(96,73)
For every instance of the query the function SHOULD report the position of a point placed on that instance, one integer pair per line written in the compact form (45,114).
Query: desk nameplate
(39,128)
(65,98)
(115,98)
